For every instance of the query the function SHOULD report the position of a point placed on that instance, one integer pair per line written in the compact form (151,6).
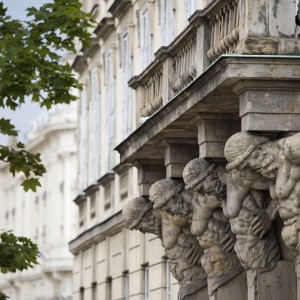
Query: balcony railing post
(167,79)
(202,46)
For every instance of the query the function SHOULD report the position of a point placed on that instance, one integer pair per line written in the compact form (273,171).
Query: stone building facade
(47,216)
(213,115)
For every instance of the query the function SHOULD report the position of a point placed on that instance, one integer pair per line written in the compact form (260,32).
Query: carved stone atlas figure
(180,245)
(258,163)
(209,224)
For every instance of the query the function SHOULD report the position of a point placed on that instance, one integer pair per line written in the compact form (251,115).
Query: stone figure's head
(200,176)
(138,214)
(167,195)
(244,149)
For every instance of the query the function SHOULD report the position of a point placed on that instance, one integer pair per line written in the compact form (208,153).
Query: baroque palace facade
(201,100)
(47,216)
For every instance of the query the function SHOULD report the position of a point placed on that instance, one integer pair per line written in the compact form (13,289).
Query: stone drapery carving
(209,223)
(180,245)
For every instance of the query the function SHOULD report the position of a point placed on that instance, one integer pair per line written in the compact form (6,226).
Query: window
(107,196)
(36,235)
(168,279)
(95,102)
(44,231)
(126,90)
(108,288)
(190,7)
(146,283)
(93,204)
(62,187)
(82,212)
(110,111)
(124,185)
(94,291)
(166,21)
(126,286)
(81,292)
(145,37)
(83,140)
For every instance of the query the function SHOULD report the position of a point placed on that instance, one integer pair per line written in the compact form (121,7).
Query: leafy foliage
(3,296)
(17,253)
(31,67)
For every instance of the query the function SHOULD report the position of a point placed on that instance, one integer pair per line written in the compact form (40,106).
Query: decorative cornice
(91,189)
(134,82)
(105,27)
(80,60)
(121,168)
(106,178)
(80,199)
(200,117)
(97,233)
(119,8)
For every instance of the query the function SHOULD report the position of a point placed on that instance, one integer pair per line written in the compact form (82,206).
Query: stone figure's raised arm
(289,166)
(201,215)
(237,190)
(264,219)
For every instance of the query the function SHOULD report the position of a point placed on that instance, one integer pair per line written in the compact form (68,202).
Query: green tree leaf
(31,67)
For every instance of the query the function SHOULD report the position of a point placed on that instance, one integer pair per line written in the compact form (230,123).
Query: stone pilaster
(269,107)
(149,171)
(213,132)
(177,154)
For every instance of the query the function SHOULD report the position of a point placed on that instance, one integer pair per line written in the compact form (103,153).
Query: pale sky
(17,8)
(22,117)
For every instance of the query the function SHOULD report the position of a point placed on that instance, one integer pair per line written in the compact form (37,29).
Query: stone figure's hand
(261,223)
(211,201)
(228,241)
(194,254)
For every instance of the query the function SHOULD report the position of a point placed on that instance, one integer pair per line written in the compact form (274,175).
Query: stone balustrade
(174,67)
(153,94)
(224,23)
(223,27)
(184,64)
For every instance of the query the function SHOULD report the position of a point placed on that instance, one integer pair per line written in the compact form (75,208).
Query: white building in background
(47,216)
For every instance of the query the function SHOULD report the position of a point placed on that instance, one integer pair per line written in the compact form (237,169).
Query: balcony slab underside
(213,93)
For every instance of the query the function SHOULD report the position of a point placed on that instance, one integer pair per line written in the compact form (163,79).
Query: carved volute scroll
(254,163)
(209,223)
(180,245)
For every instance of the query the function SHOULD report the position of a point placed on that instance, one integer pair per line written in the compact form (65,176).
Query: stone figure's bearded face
(177,205)
(211,185)
(261,162)
(150,224)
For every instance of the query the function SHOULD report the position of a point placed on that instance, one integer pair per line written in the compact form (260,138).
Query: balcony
(222,28)
(224,22)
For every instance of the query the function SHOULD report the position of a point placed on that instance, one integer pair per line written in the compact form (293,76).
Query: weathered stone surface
(266,108)
(278,284)
(210,93)
(277,164)
(209,223)
(213,132)
(149,171)
(235,289)
(180,245)
(178,152)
